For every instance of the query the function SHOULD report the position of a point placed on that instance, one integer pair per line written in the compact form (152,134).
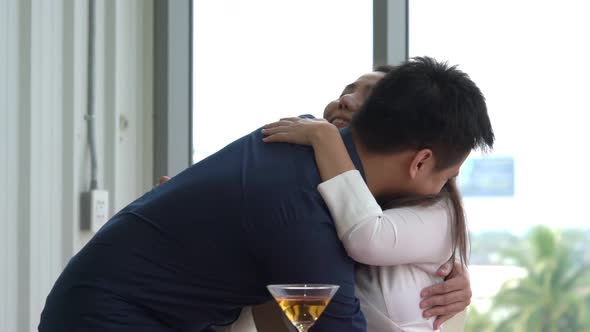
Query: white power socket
(95,209)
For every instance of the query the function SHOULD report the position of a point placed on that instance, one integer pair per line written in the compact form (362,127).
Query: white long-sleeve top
(402,248)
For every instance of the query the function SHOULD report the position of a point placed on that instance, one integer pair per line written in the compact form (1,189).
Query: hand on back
(297,130)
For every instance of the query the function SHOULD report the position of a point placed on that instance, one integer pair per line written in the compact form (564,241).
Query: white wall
(44,157)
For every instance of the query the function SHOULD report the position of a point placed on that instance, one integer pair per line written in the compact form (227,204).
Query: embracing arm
(418,234)
(397,236)
(329,149)
(330,152)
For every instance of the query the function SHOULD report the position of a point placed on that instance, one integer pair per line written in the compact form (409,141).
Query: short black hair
(425,104)
(384,68)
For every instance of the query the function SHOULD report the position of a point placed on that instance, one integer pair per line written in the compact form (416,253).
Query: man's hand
(164,179)
(448,298)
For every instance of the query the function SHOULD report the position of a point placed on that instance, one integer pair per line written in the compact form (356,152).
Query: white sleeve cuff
(349,200)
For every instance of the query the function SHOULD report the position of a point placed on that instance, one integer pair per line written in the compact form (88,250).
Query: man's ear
(422,159)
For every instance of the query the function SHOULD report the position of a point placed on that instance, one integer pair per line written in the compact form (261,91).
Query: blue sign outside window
(487,177)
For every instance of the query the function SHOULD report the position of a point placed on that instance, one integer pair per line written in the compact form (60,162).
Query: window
(530,60)
(251,67)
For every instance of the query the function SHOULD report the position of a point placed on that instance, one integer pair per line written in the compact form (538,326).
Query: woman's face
(339,112)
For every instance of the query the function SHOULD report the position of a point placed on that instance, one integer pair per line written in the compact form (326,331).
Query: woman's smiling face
(339,112)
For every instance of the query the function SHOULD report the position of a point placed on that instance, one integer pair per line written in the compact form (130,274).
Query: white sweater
(403,248)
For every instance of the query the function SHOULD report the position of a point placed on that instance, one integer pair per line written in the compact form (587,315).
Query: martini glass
(303,304)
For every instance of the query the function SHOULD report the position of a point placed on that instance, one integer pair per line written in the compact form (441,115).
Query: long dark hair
(450,191)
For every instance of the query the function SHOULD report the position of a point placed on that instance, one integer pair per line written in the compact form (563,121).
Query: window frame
(173,75)
(172,86)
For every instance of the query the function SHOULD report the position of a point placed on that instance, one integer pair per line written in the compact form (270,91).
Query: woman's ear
(422,160)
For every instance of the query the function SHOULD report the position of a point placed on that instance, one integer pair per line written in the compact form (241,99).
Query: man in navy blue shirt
(191,253)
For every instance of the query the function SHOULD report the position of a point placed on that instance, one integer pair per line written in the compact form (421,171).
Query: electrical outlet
(99,209)
(94,209)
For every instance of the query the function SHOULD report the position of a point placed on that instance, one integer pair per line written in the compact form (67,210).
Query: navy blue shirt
(192,252)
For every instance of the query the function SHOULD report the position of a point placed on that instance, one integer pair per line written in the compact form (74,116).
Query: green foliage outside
(555,293)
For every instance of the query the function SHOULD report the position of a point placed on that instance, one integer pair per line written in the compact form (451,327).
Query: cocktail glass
(303,304)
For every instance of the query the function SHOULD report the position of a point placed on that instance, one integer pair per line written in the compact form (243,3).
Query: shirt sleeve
(417,234)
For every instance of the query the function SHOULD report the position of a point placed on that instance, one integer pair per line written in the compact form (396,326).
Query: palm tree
(552,297)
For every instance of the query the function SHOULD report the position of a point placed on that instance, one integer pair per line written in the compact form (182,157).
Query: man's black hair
(384,68)
(425,104)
